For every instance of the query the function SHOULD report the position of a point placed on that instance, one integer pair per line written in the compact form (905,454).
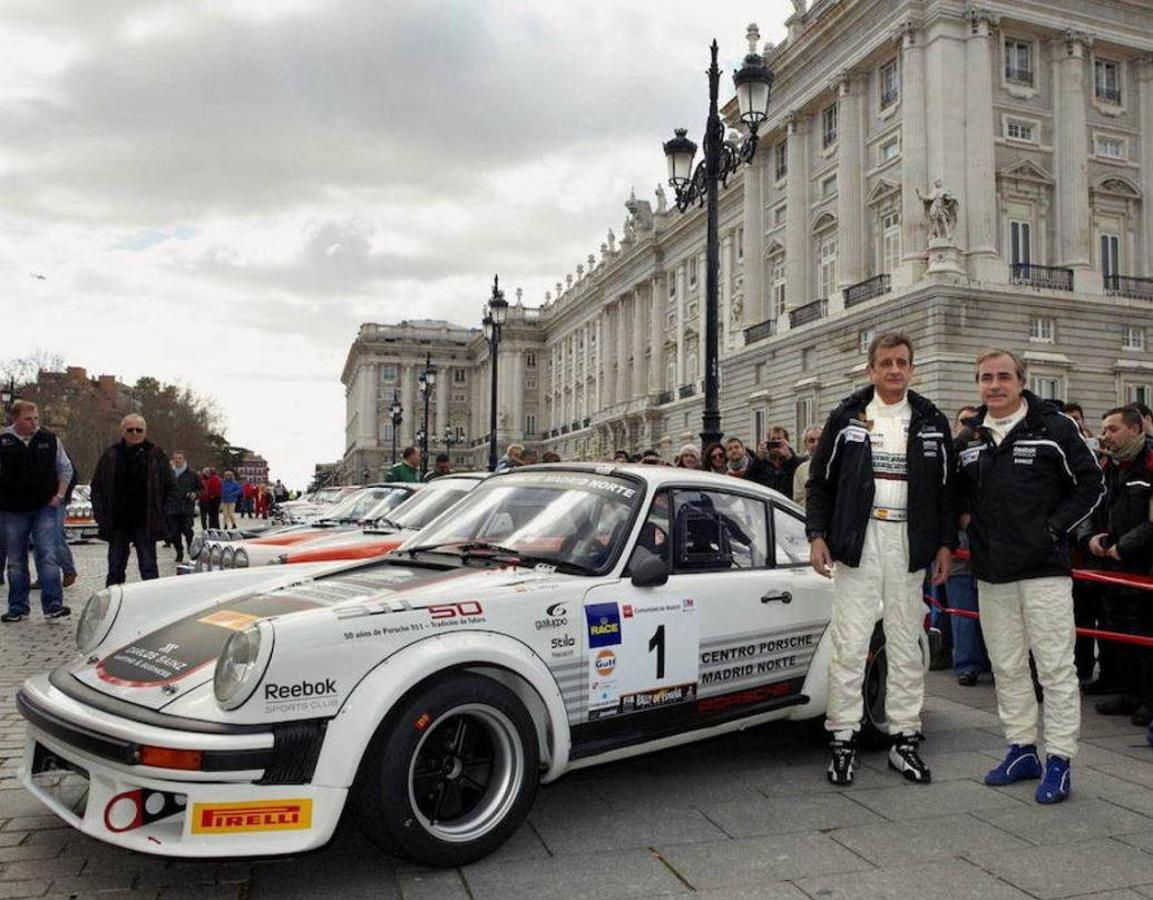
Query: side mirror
(648,570)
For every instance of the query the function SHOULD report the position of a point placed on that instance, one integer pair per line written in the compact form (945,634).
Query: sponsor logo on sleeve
(254,815)
(604,624)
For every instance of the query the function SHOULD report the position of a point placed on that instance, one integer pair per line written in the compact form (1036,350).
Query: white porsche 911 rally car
(557,617)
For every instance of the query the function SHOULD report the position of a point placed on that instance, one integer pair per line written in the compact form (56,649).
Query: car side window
(789,539)
(717,531)
(654,537)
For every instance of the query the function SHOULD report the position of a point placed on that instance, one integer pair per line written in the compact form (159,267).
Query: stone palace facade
(972,173)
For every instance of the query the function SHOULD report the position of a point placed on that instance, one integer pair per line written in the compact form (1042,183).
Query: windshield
(431,502)
(569,518)
(354,507)
(392,498)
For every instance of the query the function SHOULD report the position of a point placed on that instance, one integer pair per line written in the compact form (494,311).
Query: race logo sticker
(604,624)
(230,619)
(643,700)
(556,616)
(254,815)
(605,663)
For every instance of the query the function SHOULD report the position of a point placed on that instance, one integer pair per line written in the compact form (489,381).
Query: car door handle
(783,596)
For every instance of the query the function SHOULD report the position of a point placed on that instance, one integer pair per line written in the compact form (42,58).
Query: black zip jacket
(1027,495)
(1124,516)
(840,488)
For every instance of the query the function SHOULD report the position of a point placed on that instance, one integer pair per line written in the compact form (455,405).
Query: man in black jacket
(130,492)
(776,463)
(1028,480)
(879,504)
(1118,537)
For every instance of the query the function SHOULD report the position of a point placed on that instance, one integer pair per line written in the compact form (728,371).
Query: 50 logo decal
(466,612)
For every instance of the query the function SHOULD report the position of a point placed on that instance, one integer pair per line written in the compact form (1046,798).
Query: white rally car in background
(557,617)
(230,550)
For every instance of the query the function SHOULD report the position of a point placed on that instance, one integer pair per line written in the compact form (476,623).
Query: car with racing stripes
(557,617)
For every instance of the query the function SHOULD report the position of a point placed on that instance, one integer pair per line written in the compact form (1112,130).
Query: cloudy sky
(218,192)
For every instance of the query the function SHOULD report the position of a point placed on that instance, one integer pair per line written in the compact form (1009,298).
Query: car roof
(659,476)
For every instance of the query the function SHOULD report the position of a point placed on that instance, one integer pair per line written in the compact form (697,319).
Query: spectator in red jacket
(248,508)
(210,486)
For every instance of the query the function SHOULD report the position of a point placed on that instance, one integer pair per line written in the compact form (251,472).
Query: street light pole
(722,160)
(493,321)
(396,413)
(427,383)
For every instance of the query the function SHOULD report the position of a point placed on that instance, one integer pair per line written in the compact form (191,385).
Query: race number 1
(658,659)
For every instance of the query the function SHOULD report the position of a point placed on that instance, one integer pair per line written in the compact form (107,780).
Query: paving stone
(968,765)
(780,815)
(1142,840)
(928,800)
(793,781)
(945,837)
(12,889)
(1077,820)
(43,868)
(777,890)
(307,878)
(752,862)
(203,892)
(946,880)
(1123,894)
(611,828)
(92,884)
(432,885)
(19,804)
(35,823)
(1069,870)
(1132,745)
(634,873)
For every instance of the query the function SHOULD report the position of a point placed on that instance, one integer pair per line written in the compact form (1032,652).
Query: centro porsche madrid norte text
(549,620)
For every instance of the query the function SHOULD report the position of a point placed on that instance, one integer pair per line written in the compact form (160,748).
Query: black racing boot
(904,758)
(843,760)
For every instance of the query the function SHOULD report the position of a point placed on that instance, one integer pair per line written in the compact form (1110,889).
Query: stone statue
(548,296)
(662,200)
(640,215)
(519,296)
(737,310)
(940,211)
(592,260)
(559,289)
(568,279)
(800,6)
(612,242)
(604,249)
(580,271)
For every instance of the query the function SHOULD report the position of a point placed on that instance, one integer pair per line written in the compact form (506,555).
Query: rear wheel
(874,722)
(451,776)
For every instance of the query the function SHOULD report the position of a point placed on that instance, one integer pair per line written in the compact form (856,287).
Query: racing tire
(874,722)
(451,774)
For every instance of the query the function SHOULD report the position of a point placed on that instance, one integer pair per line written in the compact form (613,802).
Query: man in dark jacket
(879,504)
(34,476)
(1118,537)
(182,504)
(776,463)
(1028,480)
(131,489)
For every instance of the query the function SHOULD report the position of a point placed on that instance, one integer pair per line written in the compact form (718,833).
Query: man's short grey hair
(132,417)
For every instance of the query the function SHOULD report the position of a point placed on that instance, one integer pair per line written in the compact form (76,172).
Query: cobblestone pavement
(745,816)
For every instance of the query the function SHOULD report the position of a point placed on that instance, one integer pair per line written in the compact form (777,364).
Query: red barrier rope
(1098,576)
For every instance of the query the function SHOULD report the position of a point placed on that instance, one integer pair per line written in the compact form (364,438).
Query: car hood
(156,668)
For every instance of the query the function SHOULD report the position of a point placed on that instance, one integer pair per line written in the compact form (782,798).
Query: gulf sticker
(230,619)
(252,815)
(605,663)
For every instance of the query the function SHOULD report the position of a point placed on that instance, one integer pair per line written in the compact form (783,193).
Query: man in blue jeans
(34,477)
(970,659)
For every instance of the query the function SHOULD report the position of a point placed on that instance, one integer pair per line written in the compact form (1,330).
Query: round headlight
(240,667)
(226,557)
(96,620)
(214,557)
(196,546)
(240,560)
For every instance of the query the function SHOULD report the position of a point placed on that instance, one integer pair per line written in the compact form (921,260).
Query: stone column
(755,297)
(851,265)
(443,381)
(914,155)
(621,392)
(1143,264)
(516,393)
(657,334)
(412,409)
(608,349)
(797,217)
(679,275)
(638,389)
(1072,159)
(985,263)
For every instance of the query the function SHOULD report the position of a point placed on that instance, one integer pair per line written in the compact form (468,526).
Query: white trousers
(1033,614)
(882,586)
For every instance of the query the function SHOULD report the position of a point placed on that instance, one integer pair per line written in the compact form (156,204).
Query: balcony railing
(867,289)
(1127,286)
(889,97)
(586,422)
(666,397)
(810,312)
(760,331)
(575,426)
(1052,277)
(564,429)
(687,390)
(1109,94)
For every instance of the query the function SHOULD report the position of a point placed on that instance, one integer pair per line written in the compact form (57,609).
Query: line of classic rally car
(430,656)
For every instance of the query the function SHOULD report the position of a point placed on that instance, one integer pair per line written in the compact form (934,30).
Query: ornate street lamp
(427,380)
(396,414)
(701,185)
(493,322)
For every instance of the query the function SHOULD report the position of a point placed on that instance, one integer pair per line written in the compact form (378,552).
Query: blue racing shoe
(1056,784)
(1020,763)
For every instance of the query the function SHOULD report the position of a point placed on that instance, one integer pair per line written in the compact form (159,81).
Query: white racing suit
(1036,614)
(882,583)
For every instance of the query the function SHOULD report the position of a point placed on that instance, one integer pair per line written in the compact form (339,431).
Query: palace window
(1133,338)
(1020,235)
(1110,255)
(779,215)
(1109,147)
(778,290)
(1138,393)
(829,126)
(864,339)
(530,359)
(1041,329)
(890,84)
(829,187)
(890,242)
(388,372)
(804,415)
(1021,130)
(781,159)
(460,376)
(1107,80)
(1047,387)
(1019,62)
(530,423)
(827,268)
(693,272)
(889,150)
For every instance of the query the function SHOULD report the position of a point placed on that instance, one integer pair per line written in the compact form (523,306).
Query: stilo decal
(254,815)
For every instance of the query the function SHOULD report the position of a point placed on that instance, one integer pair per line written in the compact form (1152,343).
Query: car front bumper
(79,761)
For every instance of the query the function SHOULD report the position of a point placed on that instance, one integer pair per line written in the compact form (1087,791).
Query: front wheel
(451,775)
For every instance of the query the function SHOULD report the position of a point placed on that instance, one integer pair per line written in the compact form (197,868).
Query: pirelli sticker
(252,815)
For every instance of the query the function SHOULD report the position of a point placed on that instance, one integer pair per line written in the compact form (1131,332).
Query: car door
(723,638)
